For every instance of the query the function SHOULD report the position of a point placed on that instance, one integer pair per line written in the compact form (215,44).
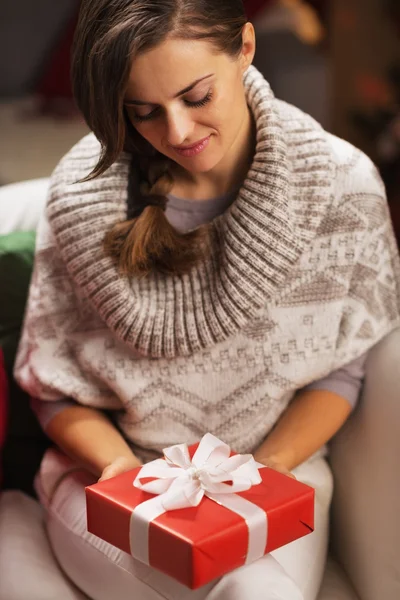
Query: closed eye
(207,98)
(154,113)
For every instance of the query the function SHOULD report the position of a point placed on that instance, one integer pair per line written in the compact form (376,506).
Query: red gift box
(198,544)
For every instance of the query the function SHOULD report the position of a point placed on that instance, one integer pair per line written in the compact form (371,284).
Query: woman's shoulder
(81,160)
(71,190)
(359,194)
(356,175)
(350,160)
(352,170)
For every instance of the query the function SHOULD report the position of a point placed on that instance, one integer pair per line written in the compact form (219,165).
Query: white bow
(182,482)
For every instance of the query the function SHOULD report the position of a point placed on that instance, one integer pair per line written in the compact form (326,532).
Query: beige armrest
(365,458)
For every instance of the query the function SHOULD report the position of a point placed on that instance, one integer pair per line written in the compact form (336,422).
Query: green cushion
(25,443)
(16,261)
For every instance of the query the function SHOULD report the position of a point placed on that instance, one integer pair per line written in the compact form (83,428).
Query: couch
(364,559)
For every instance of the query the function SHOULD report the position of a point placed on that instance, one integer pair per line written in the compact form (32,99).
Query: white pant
(103,572)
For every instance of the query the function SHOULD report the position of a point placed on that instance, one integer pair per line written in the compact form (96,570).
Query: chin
(200,164)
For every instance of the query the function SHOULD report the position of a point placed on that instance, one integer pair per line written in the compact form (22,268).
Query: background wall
(365,63)
(343,81)
(29,31)
(364,45)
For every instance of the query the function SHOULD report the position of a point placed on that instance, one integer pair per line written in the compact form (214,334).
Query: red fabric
(255,6)
(3,405)
(56,81)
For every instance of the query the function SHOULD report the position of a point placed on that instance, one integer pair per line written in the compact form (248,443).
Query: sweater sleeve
(346,381)
(371,306)
(49,363)
(46,411)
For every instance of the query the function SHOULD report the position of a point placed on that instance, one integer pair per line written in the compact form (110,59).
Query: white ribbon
(181,482)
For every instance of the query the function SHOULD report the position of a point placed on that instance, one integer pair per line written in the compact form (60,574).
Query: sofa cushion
(365,511)
(3,408)
(27,565)
(21,205)
(16,261)
(336,584)
(25,442)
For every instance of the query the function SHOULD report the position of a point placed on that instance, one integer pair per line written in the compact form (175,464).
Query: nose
(179,128)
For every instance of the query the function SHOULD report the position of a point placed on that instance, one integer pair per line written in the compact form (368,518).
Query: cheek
(225,113)
(150,132)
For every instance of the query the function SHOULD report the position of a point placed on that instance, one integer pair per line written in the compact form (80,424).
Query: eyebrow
(184,91)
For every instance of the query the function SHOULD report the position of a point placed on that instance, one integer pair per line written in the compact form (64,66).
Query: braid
(147,242)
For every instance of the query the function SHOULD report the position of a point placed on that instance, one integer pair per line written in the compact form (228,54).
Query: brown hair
(109,33)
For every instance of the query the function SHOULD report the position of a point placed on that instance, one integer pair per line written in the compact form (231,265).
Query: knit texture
(302,278)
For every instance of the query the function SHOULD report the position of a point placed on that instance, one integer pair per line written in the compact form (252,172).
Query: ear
(248,46)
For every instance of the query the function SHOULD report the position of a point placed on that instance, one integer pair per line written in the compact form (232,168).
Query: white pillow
(28,569)
(21,205)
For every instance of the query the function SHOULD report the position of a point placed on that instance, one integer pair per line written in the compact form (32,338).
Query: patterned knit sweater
(303,277)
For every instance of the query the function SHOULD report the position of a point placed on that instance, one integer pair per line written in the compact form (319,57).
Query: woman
(214,262)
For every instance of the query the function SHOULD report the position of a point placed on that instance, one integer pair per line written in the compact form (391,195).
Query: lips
(193,149)
(191,146)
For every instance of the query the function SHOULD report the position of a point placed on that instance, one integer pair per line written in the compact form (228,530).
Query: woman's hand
(274,464)
(122,464)
(310,421)
(92,441)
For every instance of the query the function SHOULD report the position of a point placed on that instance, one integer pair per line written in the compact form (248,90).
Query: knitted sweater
(303,277)
(185,215)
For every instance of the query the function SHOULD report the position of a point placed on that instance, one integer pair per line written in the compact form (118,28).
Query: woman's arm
(312,418)
(84,434)
(87,436)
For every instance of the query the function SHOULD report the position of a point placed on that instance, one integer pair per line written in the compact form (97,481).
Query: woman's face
(188,101)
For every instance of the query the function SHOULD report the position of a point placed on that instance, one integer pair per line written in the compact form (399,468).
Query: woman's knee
(67,521)
(262,580)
